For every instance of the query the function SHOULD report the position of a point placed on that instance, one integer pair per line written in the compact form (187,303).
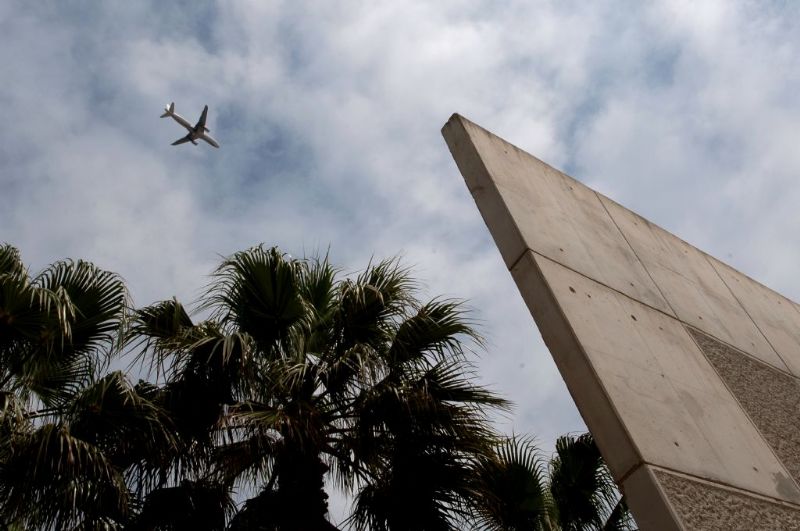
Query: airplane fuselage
(196,132)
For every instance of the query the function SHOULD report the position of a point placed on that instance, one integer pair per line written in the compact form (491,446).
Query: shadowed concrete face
(685,370)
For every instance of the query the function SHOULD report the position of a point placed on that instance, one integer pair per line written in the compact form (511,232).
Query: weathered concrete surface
(620,303)
(529,205)
(675,409)
(654,511)
(690,284)
(774,315)
(769,396)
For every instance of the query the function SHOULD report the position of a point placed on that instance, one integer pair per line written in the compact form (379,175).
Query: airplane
(198,132)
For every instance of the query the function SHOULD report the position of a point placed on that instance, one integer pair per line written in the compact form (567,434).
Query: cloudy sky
(329,115)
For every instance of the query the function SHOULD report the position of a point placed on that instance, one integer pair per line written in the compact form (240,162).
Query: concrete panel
(649,502)
(676,411)
(582,382)
(529,205)
(691,285)
(685,370)
(774,315)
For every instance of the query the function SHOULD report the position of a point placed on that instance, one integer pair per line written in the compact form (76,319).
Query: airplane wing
(187,138)
(201,123)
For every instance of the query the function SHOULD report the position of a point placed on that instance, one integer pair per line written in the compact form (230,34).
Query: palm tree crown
(297,376)
(57,330)
(572,491)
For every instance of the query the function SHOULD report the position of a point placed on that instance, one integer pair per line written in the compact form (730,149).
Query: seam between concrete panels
(739,302)
(649,470)
(666,300)
(553,300)
(634,299)
(584,275)
(722,486)
(743,352)
(662,312)
(741,407)
(624,477)
(638,258)
(525,251)
(692,339)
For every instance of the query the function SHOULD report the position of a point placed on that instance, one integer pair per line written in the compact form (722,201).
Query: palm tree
(57,331)
(574,491)
(297,376)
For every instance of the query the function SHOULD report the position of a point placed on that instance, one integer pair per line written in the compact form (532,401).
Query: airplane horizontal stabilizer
(168,110)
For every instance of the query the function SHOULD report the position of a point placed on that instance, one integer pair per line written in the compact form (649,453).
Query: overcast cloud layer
(329,114)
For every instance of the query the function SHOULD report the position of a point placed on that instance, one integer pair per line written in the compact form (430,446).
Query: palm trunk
(301,492)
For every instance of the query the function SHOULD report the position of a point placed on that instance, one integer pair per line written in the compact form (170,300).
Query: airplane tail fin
(168,110)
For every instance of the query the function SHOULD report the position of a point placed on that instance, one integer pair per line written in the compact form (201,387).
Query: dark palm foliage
(514,486)
(297,376)
(583,491)
(573,492)
(295,379)
(57,329)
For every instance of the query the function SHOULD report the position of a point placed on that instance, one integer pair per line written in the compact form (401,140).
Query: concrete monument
(686,371)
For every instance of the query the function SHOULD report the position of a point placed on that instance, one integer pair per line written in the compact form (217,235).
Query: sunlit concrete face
(686,371)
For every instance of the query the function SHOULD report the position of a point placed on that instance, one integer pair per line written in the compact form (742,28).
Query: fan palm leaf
(511,488)
(129,428)
(60,326)
(583,490)
(257,292)
(68,481)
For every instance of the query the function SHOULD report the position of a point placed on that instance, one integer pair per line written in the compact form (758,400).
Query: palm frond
(351,370)
(257,291)
(54,380)
(452,382)
(14,422)
(33,320)
(299,423)
(130,429)
(394,283)
(99,299)
(157,332)
(421,487)
(583,490)
(11,261)
(247,460)
(317,283)
(620,518)
(60,326)
(438,328)
(68,481)
(511,490)
(369,305)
